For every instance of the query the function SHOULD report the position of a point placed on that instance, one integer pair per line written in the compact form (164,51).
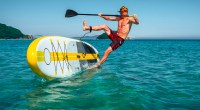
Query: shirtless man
(124,26)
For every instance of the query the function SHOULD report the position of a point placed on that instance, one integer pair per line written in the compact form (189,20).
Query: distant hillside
(8,32)
(88,37)
(102,36)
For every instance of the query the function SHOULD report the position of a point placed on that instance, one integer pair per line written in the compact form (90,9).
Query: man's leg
(107,31)
(97,28)
(105,56)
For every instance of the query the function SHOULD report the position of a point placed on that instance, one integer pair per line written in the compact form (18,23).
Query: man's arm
(108,17)
(134,19)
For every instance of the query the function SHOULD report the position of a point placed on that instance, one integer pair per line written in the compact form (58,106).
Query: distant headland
(8,32)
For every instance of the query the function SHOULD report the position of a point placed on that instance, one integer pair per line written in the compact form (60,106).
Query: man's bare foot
(95,66)
(85,26)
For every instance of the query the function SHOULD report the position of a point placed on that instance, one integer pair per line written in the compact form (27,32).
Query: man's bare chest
(123,22)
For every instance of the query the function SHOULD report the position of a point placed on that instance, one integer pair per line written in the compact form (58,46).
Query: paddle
(72,13)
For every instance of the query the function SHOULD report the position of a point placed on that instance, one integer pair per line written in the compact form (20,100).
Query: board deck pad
(59,57)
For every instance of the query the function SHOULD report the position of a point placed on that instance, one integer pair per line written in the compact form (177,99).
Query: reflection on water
(60,90)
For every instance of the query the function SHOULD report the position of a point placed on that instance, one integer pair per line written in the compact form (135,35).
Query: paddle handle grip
(97,15)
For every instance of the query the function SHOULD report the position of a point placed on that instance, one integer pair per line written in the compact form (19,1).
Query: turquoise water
(140,75)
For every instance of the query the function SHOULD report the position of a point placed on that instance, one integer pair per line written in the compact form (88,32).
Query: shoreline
(16,39)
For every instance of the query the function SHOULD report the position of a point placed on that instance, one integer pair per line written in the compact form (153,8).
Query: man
(124,25)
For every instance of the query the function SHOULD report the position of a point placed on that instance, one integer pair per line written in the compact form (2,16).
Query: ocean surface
(140,75)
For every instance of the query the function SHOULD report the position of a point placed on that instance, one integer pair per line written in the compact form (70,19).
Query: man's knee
(105,26)
(106,29)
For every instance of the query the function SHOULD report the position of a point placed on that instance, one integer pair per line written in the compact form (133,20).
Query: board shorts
(116,40)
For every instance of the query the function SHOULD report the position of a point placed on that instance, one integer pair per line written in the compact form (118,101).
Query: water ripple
(142,75)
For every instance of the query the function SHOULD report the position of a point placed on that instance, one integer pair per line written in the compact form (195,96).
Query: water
(140,75)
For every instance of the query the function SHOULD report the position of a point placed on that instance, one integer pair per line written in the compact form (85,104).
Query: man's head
(123,11)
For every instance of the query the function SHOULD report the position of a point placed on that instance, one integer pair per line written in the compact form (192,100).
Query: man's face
(124,13)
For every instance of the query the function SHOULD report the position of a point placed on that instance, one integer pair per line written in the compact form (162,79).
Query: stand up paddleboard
(59,57)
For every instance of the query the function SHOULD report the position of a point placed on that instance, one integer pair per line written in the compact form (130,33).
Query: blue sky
(158,18)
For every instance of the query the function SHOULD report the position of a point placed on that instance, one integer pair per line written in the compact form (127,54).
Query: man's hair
(123,8)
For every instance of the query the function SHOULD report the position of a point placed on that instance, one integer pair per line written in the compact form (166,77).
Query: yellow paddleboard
(59,57)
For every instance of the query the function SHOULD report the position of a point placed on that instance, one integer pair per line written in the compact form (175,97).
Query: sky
(158,18)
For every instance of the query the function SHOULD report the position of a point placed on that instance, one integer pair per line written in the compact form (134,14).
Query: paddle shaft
(97,15)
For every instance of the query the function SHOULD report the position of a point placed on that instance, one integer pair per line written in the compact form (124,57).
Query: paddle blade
(70,13)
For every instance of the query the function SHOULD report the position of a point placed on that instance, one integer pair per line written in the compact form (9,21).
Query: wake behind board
(59,57)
